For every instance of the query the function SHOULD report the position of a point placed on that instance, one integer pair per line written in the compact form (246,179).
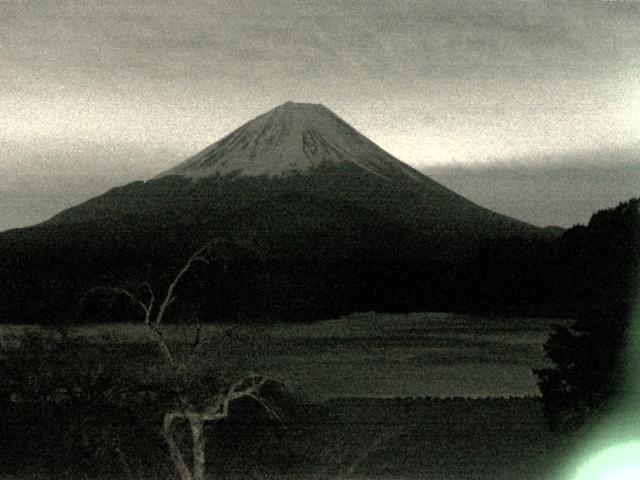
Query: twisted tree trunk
(174,450)
(197,426)
(248,387)
(218,408)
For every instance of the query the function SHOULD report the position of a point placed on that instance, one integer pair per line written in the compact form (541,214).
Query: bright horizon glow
(433,83)
(495,122)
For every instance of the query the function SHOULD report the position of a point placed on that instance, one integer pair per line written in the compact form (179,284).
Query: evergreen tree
(601,261)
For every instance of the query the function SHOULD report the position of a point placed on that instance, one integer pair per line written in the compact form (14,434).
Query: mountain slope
(292,138)
(339,225)
(303,151)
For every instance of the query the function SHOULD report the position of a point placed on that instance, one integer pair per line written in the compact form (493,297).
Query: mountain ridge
(306,152)
(341,227)
(291,138)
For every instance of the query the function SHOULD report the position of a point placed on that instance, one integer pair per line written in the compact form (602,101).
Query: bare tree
(154,316)
(217,407)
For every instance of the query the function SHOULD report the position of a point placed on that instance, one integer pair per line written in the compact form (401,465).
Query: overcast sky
(94,94)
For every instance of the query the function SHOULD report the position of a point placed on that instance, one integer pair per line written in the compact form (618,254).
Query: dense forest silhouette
(586,268)
(590,368)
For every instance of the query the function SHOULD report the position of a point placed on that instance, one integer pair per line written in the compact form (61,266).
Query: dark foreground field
(440,439)
(89,403)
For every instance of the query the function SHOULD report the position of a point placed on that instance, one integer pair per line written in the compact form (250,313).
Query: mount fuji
(340,223)
(302,158)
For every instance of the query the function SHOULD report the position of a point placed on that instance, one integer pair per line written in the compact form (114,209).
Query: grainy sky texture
(94,94)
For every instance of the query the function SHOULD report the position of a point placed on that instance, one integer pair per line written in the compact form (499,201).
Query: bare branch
(198,256)
(248,387)
(150,305)
(270,411)
(162,343)
(251,391)
(216,411)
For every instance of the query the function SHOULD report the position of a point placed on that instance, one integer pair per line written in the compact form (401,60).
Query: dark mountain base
(334,263)
(304,246)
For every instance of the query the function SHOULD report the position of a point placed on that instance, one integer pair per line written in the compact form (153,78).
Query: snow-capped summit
(291,138)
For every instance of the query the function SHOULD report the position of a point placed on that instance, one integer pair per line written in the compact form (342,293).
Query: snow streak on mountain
(292,138)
